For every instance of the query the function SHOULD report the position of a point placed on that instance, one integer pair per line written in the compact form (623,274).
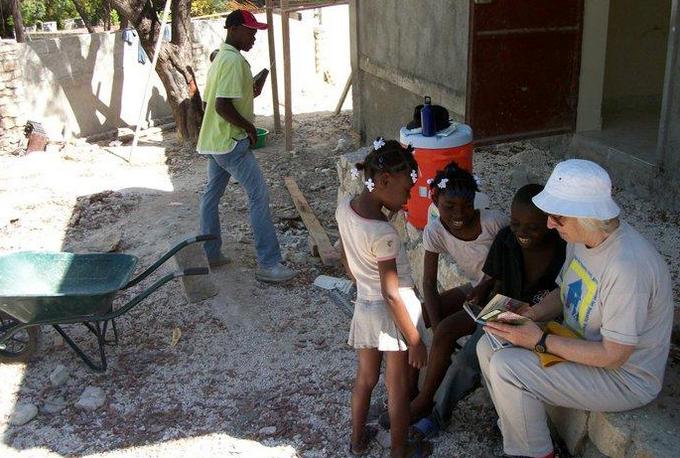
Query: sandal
(369,434)
(423,429)
(384,420)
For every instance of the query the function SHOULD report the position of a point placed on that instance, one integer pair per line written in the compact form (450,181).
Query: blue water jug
(426,118)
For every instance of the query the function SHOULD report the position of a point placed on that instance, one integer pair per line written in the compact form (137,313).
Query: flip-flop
(384,420)
(424,428)
(369,434)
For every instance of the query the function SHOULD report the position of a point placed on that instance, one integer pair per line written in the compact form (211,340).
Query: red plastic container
(432,155)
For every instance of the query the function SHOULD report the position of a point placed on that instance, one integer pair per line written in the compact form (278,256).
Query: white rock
(267,430)
(54,406)
(59,375)
(23,413)
(92,398)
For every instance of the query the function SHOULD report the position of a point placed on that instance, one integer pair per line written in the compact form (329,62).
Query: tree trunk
(18,21)
(83,15)
(107,15)
(174,66)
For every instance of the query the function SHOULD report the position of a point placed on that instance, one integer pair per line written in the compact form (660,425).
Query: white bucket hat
(578,188)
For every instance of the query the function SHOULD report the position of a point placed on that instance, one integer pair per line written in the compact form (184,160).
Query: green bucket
(261,137)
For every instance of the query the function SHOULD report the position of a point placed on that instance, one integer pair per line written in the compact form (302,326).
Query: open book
(500,308)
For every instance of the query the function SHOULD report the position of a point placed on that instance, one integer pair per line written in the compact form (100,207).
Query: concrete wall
(591,77)
(80,85)
(86,84)
(636,49)
(402,51)
(669,134)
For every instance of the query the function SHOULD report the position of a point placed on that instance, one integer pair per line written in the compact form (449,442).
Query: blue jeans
(241,164)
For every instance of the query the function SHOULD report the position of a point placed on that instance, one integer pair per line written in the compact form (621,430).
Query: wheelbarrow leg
(97,330)
(114,341)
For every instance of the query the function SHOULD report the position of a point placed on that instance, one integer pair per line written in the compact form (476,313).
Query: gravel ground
(258,370)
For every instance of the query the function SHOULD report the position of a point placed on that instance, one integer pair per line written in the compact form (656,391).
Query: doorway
(622,75)
(523,68)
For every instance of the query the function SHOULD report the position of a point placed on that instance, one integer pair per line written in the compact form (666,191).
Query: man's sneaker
(219,261)
(275,274)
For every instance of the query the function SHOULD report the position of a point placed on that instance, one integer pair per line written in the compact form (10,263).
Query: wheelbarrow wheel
(21,345)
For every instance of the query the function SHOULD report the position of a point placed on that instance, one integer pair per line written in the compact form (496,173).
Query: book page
(497,305)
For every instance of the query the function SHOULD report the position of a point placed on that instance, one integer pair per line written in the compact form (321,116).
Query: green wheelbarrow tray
(42,288)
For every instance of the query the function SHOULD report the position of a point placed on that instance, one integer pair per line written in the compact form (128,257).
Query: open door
(523,68)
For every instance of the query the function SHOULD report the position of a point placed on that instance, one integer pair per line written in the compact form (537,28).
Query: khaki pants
(520,386)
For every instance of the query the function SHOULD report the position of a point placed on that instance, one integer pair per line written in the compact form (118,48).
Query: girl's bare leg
(451,302)
(448,332)
(397,381)
(368,373)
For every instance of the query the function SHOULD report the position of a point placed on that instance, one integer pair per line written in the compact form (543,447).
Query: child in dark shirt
(523,262)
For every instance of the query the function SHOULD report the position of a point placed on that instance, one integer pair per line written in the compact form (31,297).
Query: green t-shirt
(229,77)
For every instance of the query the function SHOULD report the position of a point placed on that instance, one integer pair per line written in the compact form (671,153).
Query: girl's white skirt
(373,326)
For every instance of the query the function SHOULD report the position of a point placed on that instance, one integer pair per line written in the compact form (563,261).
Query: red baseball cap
(244,18)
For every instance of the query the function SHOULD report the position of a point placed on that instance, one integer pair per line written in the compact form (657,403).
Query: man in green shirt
(226,135)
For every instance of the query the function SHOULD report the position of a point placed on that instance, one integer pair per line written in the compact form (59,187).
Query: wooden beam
(348,84)
(329,255)
(272,69)
(286,78)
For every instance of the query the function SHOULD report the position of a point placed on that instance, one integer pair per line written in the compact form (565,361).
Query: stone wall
(12,119)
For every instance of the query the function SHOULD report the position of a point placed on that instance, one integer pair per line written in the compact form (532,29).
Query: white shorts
(373,326)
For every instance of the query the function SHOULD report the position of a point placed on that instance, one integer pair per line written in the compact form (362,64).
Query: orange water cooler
(432,155)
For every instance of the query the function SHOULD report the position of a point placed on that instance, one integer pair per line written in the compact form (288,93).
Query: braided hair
(390,157)
(454,181)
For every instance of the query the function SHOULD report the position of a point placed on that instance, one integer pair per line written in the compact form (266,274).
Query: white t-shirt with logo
(468,255)
(621,290)
(366,242)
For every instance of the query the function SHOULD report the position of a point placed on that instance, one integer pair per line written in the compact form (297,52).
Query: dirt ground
(259,370)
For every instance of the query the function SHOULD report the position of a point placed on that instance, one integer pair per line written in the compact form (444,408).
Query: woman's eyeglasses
(558,219)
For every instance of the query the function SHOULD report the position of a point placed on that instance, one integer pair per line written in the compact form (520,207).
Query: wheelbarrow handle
(147,292)
(168,255)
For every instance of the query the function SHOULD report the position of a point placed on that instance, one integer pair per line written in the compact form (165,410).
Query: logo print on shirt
(578,296)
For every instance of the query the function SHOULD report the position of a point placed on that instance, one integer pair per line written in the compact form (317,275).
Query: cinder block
(197,288)
(571,425)
(610,434)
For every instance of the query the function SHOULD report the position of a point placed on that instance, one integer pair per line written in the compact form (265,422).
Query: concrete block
(610,435)
(590,451)
(571,425)
(197,288)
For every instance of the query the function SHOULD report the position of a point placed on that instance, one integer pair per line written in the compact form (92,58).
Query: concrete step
(651,431)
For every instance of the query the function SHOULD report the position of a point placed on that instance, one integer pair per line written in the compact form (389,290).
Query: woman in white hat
(614,292)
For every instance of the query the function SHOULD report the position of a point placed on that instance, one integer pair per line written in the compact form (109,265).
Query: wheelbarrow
(43,288)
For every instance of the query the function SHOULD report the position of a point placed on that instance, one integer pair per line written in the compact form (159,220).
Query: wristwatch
(540,347)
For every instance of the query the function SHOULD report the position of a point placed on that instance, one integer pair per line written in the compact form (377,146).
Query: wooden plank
(272,69)
(329,255)
(348,84)
(285,30)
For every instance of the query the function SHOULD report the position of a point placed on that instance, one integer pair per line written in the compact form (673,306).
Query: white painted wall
(85,84)
(593,53)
